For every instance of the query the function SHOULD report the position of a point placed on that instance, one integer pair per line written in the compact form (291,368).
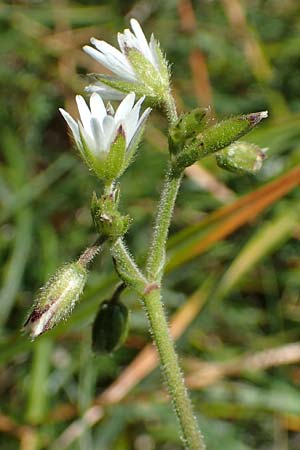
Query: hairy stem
(149,290)
(191,435)
(157,254)
(127,268)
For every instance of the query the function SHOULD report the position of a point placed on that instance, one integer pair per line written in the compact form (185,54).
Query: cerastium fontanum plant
(107,141)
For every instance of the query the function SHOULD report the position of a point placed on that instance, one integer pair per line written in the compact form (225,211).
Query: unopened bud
(108,221)
(56,299)
(241,157)
(215,138)
(186,127)
(110,328)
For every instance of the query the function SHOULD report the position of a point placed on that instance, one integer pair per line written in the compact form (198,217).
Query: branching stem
(153,305)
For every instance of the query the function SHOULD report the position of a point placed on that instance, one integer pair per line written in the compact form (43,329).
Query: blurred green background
(233,275)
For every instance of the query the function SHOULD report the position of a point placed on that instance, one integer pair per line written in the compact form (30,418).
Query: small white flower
(107,140)
(138,66)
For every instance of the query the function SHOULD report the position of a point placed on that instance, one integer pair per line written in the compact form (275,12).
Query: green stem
(127,268)
(157,254)
(191,435)
(150,292)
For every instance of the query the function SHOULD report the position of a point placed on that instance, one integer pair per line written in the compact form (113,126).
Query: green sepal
(108,221)
(241,157)
(215,138)
(154,85)
(115,159)
(110,327)
(187,126)
(163,63)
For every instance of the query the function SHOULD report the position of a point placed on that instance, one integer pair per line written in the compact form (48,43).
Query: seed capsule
(110,328)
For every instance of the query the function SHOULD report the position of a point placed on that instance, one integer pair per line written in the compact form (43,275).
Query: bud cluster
(190,143)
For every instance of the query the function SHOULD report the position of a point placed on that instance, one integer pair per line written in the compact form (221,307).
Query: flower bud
(241,157)
(56,299)
(108,221)
(186,127)
(110,328)
(215,138)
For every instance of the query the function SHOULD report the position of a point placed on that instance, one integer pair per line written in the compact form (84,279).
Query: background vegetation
(232,288)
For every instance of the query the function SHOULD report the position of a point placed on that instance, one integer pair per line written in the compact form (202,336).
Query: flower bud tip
(255,118)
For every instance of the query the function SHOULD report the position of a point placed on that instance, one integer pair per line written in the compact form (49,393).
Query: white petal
(97,136)
(130,39)
(110,63)
(125,107)
(108,49)
(131,146)
(98,109)
(85,114)
(106,92)
(72,124)
(109,131)
(122,42)
(153,45)
(131,120)
(88,138)
(111,58)
(144,117)
(136,27)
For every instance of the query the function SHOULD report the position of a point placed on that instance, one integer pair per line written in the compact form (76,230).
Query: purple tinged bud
(255,118)
(56,299)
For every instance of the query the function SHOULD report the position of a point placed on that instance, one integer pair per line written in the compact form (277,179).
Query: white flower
(138,66)
(107,140)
